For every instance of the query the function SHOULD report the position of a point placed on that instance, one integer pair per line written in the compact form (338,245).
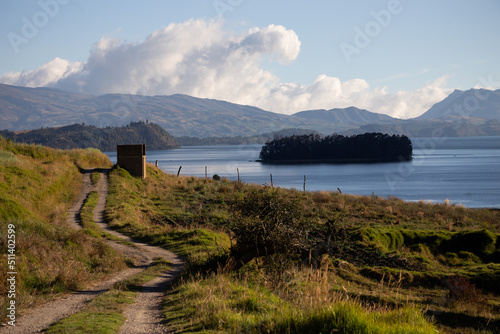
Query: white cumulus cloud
(46,75)
(200,58)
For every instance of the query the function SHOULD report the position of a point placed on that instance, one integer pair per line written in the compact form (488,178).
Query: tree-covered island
(368,147)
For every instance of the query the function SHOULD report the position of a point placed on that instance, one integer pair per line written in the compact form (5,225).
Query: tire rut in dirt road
(145,315)
(146,312)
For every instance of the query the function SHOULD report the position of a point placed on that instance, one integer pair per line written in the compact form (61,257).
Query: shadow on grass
(460,320)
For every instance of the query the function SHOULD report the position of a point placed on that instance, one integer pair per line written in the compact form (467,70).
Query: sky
(396,57)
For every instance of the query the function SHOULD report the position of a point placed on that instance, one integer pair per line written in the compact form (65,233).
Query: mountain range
(462,113)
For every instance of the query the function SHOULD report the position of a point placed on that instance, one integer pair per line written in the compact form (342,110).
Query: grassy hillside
(260,259)
(275,260)
(37,186)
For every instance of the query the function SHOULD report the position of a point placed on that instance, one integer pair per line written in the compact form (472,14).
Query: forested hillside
(105,139)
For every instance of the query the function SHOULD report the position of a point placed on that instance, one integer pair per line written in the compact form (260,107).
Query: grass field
(275,260)
(260,259)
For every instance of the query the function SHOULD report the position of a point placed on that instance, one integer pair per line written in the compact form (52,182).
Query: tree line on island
(368,147)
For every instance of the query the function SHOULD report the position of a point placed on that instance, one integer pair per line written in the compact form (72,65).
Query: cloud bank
(199,58)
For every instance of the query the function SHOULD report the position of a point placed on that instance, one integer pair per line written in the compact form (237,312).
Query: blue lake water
(463,170)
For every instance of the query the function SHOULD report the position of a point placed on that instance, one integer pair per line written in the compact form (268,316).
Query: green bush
(266,223)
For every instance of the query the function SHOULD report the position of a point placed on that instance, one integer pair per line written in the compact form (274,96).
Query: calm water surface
(462,170)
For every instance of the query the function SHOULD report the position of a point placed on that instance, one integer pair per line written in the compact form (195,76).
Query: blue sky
(394,57)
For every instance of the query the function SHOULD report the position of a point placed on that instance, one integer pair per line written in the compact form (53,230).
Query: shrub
(461,290)
(266,223)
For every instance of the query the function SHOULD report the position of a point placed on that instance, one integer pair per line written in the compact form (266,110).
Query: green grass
(226,305)
(87,215)
(89,225)
(137,208)
(479,244)
(104,314)
(373,266)
(95,177)
(384,257)
(7,157)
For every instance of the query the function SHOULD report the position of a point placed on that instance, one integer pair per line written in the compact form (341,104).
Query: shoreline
(328,161)
(426,201)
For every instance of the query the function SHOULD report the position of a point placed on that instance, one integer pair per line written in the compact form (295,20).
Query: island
(314,148)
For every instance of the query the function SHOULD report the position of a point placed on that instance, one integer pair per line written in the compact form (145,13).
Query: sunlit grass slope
(37,186)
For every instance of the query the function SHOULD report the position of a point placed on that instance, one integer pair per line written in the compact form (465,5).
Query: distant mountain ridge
(470,104)
(350,116)
(433,128)
(23,108)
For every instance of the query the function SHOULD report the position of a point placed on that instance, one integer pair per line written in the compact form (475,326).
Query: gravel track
(144,316)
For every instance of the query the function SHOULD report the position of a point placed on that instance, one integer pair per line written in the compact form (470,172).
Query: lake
(463,170)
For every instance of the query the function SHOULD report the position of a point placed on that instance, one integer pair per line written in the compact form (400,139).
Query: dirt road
(144,316)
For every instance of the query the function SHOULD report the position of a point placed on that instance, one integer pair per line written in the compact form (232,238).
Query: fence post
(271,180)
(205,172)
(238,170)
(304,183)
(179,171)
